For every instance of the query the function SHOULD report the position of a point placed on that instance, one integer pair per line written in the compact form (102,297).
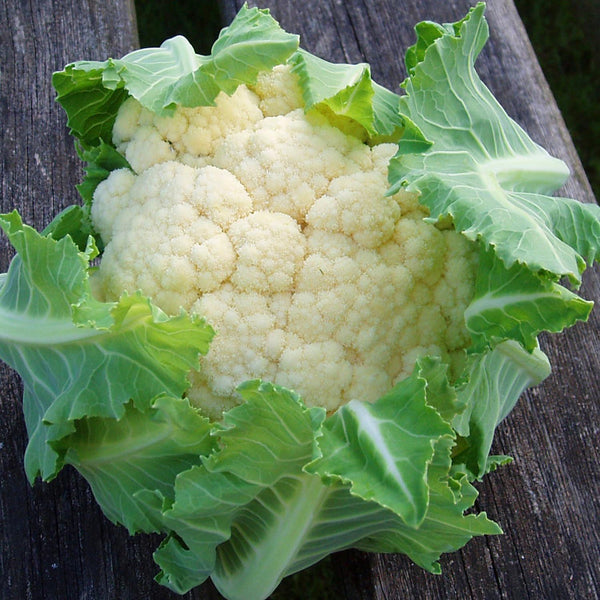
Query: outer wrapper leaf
(517,304)
(141,452)
(496,380)
(79,357)
(159,78)
(382,450)
(445,528)
(101,160)
(258,481)
(251,507)
(348,91)
(482,170)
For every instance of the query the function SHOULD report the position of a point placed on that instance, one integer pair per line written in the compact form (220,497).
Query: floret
(276,228)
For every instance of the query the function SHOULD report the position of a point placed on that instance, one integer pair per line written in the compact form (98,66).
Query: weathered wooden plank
(548,501)
(54,541)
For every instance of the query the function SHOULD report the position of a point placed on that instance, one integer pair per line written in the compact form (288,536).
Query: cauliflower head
(273,224)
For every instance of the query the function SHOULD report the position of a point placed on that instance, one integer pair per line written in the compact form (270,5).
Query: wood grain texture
(54,541)
(55,544)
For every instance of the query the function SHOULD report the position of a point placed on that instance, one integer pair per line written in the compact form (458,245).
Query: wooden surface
(54,542)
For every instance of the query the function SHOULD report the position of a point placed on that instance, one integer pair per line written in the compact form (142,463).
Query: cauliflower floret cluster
(274,225)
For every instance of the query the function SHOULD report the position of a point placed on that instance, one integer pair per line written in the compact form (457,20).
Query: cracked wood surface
(54,541)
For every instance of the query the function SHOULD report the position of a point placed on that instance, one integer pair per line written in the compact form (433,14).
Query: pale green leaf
(516,304)
(482,170)
(79,357)
(446,527)
(496,380)
(142,451)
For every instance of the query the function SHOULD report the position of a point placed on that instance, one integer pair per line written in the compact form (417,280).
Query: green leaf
(496,380)
(270,430)
(516,304)
(439,394)
(248,503)
(269,535)
(382,450)
(90,106)
(79,357)
(72,221)
(251,507)
(101,160)
(445,527)
(428,32)
(75,220)
(143,450)
(180,569)
(91,92)
(253,42)
(574,223)
(348,91)
(482,170)
(412,140)
(496,461)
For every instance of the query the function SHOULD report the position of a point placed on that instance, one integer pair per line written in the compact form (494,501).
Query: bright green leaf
(348,91)
(382,450)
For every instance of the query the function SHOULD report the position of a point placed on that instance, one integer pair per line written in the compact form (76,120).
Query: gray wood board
(54,541)
(55,544)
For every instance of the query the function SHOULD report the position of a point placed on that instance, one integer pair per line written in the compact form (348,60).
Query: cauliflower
(326,282)
(276,228)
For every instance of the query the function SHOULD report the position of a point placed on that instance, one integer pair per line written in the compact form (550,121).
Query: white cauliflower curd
(273,225)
